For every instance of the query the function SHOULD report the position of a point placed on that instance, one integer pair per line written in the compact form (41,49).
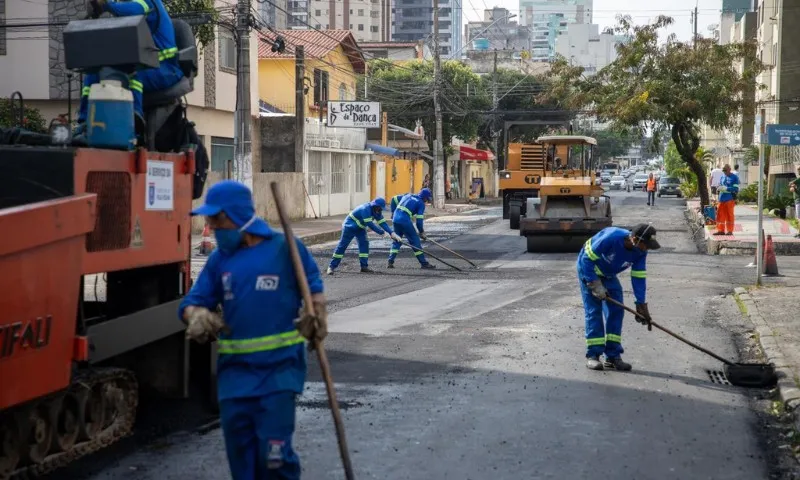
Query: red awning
(469,153)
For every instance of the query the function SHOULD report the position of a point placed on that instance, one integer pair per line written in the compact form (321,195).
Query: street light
(507,17)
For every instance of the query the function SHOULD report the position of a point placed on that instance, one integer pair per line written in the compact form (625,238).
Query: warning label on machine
(160,185)
(136,236)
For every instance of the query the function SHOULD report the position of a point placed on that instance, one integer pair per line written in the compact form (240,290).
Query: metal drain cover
(718,377)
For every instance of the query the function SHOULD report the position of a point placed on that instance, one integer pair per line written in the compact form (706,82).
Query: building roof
(318,44)
(366,45)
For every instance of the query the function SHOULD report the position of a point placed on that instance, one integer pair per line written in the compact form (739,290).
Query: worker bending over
(609,252)
(395,201)
(411,207)
(151,79)
(262,361)
(355,226)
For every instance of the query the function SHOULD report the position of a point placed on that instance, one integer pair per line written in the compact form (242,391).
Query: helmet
(378,203)
(425,194)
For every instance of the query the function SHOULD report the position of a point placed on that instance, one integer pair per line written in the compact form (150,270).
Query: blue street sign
(788,135)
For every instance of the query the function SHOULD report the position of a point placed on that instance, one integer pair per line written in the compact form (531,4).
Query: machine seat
(168,95)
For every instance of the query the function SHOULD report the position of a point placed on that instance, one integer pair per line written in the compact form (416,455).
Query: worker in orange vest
(651,190)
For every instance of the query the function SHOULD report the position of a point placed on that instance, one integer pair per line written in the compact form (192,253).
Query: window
(318,26)
(342,91)
(360,12)
(227,51)
(316,177)
(351,11)
(339,173)
(221,153)
(317,13)
(351,26)
(373,29)
(375,14)
(320,87)
(360,27)
(361,174)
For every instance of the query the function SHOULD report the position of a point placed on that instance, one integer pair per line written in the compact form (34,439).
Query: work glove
(396,237)
(641,309)
(598,289)
(423,236)
(202,324)
(722,189)
(313,327)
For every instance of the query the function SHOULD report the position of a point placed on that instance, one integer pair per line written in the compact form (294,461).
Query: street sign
(354,114)
(788,135)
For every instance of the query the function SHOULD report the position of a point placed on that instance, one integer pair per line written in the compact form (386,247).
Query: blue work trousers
(150,80)
(258,437)
(407,230)
(603,337)
(347,236)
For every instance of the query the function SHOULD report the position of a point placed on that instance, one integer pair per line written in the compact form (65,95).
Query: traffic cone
(770,261)
(206,246)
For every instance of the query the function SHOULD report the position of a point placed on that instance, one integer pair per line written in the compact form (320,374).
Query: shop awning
(392,152)
(469,153)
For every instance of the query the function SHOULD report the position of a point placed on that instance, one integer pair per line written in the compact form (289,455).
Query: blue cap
(379,202)
(236,200)
(425,194)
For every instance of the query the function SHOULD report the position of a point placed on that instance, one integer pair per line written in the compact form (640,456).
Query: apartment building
(582,44)
(412,20)
(546,19)
(362,17)
(497,32)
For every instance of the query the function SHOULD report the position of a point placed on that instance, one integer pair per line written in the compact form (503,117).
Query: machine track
(98,409)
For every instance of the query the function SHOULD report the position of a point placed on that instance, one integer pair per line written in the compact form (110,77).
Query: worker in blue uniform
(368,215)
(609,252)
(396,201)
(151,79)
(262,360)
(410,209)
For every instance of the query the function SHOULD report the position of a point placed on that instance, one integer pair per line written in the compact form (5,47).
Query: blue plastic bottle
(110,123)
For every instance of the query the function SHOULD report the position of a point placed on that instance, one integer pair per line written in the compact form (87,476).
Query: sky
(605,12)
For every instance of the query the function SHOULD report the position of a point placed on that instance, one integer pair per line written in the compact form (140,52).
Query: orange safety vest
(651,184)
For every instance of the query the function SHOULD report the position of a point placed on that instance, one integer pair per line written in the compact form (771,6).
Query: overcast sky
(605,12)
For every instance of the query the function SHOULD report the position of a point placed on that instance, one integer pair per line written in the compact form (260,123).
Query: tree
(203,33)
(406,94)
(32,119)
(667,87)
(611,143)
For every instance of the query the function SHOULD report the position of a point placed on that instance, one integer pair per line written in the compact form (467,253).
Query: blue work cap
(379,202)
(236,200)
(425,194)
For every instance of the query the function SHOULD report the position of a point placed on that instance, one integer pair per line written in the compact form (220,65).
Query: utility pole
(299,106)
(760,237)
(242,143)
(438,157)
(694,19)
(495,123)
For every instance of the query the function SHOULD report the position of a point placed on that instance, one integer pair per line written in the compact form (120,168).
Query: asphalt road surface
(480,374)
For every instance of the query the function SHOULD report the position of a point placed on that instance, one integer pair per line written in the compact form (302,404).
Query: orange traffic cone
(770,261)
(206,246)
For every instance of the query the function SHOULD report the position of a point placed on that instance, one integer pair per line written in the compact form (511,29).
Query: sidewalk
(313,231)
(745,232)
(773,310)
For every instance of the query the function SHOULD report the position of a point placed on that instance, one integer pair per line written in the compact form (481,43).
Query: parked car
(669,186)
(605,177)
(640,181)
(617,182)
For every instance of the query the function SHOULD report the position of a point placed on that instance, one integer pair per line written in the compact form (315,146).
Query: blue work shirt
(411,207)
(396,201)
(605,255)
(260,299)
(362,217)
(731,182)
(158,20)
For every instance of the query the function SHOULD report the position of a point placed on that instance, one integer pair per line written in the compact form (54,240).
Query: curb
(787,387)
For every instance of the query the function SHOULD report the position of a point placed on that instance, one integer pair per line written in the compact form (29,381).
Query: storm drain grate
(718,377)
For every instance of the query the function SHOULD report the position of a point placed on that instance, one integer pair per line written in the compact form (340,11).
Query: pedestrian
(651,190)
(714,178)
(355,226)
(728,189)
(794,187)
(261,356)
(447,188)
(608,253)
(426,182)
(411,208)
(395,201)
(736,169)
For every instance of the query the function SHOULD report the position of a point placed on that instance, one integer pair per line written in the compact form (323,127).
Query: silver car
(640,181)
(617,182)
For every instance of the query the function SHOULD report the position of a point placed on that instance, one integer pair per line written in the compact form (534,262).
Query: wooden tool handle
(302,283)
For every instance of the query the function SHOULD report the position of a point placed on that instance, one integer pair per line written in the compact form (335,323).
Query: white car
(640,181)
(617,182)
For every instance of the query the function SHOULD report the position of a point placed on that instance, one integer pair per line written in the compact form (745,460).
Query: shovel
(462,257)
(755,375)
(430,255)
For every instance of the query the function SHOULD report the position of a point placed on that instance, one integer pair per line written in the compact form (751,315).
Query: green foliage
(748,194)
(668,86)
(611,143)
(778,202)
(203,33)
(406,90)
(676,167)
(32,118)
